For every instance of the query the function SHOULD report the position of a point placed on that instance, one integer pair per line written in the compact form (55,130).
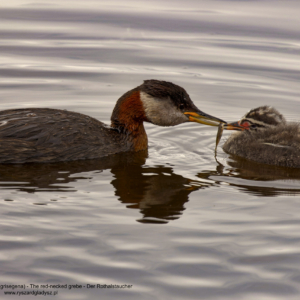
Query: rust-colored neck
(128,117)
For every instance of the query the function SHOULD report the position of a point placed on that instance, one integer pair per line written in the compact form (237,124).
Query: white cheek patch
(162,112)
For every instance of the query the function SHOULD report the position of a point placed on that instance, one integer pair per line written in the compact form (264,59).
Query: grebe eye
(181,106)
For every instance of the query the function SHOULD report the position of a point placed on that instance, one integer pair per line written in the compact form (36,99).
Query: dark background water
(174,222)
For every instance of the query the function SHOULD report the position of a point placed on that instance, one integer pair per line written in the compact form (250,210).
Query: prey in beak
(227,126)
(203,118)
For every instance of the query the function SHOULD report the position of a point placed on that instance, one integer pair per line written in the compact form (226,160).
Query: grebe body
(52,135)
(266,137)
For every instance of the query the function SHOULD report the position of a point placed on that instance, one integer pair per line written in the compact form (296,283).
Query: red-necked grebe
(265,137)
(52,135)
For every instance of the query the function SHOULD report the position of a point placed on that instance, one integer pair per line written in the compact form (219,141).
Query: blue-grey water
(176,222)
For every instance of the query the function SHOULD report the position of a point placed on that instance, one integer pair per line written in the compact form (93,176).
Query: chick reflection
(157,192)
(255,177)
(256,171)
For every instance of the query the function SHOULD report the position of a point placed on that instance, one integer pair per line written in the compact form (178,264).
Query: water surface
(174,222)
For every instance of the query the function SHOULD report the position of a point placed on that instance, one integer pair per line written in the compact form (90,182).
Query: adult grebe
(52,135)
(266,138)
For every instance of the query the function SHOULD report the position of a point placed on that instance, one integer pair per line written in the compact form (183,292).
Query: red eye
(246,125)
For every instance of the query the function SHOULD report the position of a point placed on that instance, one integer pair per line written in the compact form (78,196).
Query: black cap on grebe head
(168,104)
(164,89)
(260,117)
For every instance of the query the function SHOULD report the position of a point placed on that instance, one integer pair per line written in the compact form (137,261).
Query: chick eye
(181,106)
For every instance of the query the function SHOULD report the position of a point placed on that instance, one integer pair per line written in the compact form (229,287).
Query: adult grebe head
(161,103)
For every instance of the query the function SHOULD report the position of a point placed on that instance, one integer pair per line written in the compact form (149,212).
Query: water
(175,223)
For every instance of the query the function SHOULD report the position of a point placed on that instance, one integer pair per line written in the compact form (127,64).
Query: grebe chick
(265,137)
(52,135)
